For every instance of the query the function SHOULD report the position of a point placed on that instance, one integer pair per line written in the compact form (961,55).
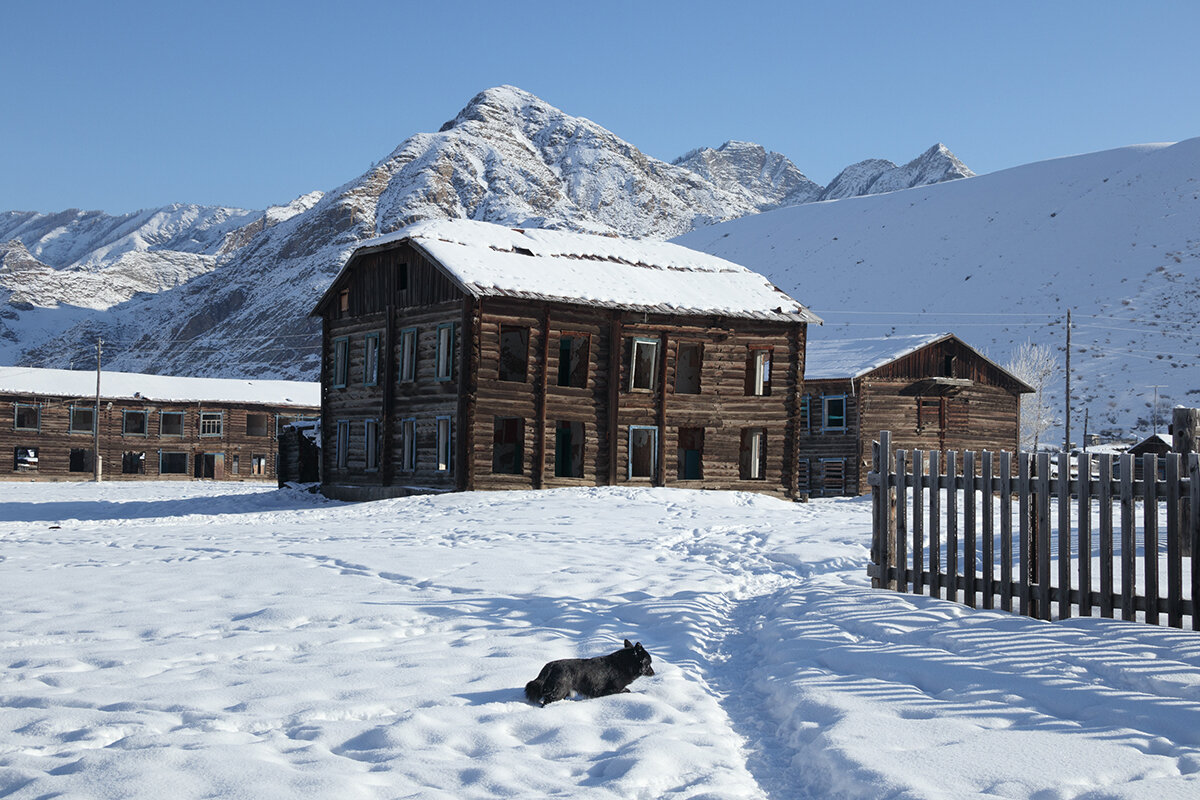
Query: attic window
(344,301)
(948,367)
(523,251)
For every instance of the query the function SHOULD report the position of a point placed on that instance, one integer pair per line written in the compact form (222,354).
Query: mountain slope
(876,176)
(1000,258)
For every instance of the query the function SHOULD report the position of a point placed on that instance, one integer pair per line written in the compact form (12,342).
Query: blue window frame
(341,362)
(833,412)
(83,419)
(643,451)
(27,417)
(444,445)
(444,365)
(408,355)
(371,359)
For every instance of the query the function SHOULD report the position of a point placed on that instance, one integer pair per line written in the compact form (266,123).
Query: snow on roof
(825,359)
(159,388)
(492,260)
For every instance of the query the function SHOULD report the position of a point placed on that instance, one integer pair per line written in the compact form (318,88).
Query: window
(444,364)
(83,419)
(758,372)
(833,477)
(133,463)
(568,449)
(514,353)
(687,368)
(133,423)
(26,417)
(408,445)
(170,423)
(235,463)
(753,457)
(371,359)
(81,460)
(25,459)
(258,424)
(402,278)
(948,366)
(172,463)
(258,464)
(573,360)
(443,445)
(834,412)
(341,362)
(344,301)
(643,365)
(371,443)
(342,445)
(408,355)
(805,415)
(691,451)
(929,412)
(804,475)
(212,423)
(508,445)
(643,451)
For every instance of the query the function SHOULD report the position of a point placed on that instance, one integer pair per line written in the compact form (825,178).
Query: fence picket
(1193,533)
(1084,523)
(989,543)
(918,527)
(1006,541)
(1174,551)
(969,554)
(952,526)
(1064,535)
(1024,495)
(1043,535)
(901,522)
(1106,536)
(935,525)
(1150,534)
(1128,549)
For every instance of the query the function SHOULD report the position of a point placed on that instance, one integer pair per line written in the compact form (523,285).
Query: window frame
(258,463)
(341,444)
(21,465)
(443,365)
(698,347)
(653,430)
(576,447)
(444,444)
(516,460)
(162,453)
(126,414)
(681,452)
(759,362)
(407,368)
(826,427)
(37,415)
(507,332)
(577,362)
(408,444)
(753,466)
(371,359)
(340,378)
(635,343)
(200,420)
(371,445)
(91,409)
(162,418)
(125,460)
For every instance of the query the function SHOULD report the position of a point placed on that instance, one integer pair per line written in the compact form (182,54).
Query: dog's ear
(627,643)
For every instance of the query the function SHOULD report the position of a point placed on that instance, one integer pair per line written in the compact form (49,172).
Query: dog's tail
(533,691)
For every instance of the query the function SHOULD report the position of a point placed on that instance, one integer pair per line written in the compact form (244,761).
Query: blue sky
(126,105)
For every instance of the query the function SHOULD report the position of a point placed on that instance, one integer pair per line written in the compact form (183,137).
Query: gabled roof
(831,359)
(486,260)
(157,388)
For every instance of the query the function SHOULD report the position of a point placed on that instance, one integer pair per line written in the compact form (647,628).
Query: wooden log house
(461,355)
(152,427)
(932,391)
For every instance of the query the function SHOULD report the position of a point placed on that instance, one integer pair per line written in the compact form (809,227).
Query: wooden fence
(1033,532)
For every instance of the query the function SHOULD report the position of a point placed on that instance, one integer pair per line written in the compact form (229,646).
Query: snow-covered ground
(191,640)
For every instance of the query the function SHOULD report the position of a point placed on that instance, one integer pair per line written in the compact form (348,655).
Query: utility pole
(1067,416)
(96,419)
(1154,411)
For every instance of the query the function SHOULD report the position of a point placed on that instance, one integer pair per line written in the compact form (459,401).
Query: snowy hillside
(229,297)
(204,639)
(1000,258)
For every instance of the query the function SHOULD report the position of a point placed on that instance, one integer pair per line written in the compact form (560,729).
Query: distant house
(462,355)
(1157,443)
(149,426)
(932,391)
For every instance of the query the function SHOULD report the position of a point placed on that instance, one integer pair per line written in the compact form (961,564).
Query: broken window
(758,372)
(341,450)
(344,301)
(408,445)
(753,456)
(83,419)
(133,423)
(643,451)
(26,417)
(691,450)
(25,459)
(212,423)
(643,364)
(514,352)
(573,360)
(408,355)
(235,463)
(443,445)
(929,412)
(258,464)
(687,368)
(258,424)
(568,449)
(834,412)
(833,476)
(444,362)
(341,362)
(172,463)
(371,359)
(371,443)
(170,423)
(508,445)
(81,460)
(133,463)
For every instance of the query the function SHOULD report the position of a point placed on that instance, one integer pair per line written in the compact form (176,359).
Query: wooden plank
(951,526)
(1025,539)
(1043,535)
(918,521)
(1193,534)
(876,519)
(935,525)
(887,538)
(901,521)
(970,571)
(1084,540)
(1006,538)
(1064,535)
(1150,534)
(1105,533)
(1128,549)
(1174,549)
(989,540)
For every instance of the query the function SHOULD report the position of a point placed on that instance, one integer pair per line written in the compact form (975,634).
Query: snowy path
(192,640)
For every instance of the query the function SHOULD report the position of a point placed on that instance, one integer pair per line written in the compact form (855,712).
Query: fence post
(877,536)
(1150,534)
(969,516)
(1043,535)
(1006,537)
(935,524)
(1128,547)
(1027,535)
(918,518)
(1106,535)
(989,535)
(1185,438)
(1084,522)
(1064,535)
(901,507)
(1174,539)
(952,526)
(1191,532)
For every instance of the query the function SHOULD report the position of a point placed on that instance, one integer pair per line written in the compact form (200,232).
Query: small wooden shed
(932,391)
(463,355)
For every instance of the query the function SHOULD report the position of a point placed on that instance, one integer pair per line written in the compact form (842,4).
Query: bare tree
(1037,365)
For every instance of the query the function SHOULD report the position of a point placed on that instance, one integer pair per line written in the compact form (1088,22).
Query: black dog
(591,677)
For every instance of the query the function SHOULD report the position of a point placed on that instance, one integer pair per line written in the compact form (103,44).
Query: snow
(826,359)
(213,639)
(157,388)
(487,259)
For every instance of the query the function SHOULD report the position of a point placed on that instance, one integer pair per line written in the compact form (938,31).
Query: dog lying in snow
(590,677)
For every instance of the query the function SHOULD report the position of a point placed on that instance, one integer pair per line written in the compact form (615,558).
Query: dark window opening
(171,423)
(344,301)
(514,353)
(758,372)
(81,460)
(568,449)
(508,445)
(402,277)
(172,463)
(948,366)
(929,412)
(643,444)
(573,361)
(134,423)
(691,452)
(258,424)
(753,456)
(687,368)
(83,419)
(133,463)
(643,364)
(26,418)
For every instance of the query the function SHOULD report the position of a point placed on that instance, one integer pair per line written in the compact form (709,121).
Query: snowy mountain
(1000,258)
(226,293)
(875,175)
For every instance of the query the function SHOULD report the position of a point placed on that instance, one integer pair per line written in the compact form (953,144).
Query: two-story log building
(463,355)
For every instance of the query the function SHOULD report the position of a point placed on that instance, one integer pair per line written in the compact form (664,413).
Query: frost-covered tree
(1037,365)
